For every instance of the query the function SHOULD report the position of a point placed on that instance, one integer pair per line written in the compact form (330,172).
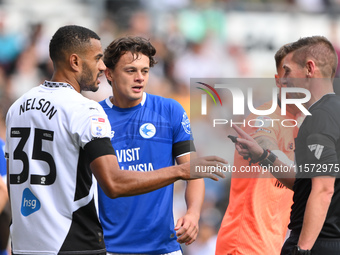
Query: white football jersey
(52,135)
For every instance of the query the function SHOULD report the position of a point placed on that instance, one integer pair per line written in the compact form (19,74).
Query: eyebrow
(127,67)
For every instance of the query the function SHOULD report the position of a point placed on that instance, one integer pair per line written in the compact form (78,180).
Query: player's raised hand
(246,146)
(204,167)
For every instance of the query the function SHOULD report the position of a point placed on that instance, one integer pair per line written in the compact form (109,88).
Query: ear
(277,81)
(310,66)
(108,74)
(75,62)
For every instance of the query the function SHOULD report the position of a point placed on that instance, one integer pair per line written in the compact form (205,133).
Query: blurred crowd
(193,39)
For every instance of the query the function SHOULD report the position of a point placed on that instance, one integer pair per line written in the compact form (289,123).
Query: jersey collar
(51,84)
(143,99)
(109,103)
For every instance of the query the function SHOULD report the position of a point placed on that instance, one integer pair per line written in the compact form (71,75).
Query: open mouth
(137,88)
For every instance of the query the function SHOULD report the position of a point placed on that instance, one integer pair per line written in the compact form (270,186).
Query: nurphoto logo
(239,99)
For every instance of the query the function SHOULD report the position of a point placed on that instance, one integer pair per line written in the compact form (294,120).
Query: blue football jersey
(145,137)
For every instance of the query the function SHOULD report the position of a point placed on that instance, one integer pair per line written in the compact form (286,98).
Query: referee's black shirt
(317,153)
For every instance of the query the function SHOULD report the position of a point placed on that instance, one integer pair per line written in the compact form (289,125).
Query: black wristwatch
(298,251)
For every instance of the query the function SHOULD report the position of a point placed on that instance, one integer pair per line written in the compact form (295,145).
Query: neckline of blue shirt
(116,108)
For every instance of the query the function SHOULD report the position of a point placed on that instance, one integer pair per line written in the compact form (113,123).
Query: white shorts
(171,253)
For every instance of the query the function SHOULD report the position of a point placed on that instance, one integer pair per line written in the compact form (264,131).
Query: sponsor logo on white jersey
(147,130)
(98,127)
(317,148)
(30,203)
(186,123)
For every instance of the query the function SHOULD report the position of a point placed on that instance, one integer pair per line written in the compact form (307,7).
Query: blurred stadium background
(193,38)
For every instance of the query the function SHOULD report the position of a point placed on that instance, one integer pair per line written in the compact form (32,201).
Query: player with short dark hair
(67,41)
(149,132)
(135,45)
(55,140)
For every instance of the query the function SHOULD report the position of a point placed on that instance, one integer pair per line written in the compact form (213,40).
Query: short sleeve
(321,145)
(89,122)
(182,135)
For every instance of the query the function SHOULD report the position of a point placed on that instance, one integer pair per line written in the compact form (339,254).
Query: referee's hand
(204,167)
(246,146)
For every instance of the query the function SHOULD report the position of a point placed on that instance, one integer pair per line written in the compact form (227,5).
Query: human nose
(139,76)
(102,66)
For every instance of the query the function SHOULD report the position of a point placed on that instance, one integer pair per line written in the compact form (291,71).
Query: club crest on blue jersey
(30,203)
(147,130)
(186,123)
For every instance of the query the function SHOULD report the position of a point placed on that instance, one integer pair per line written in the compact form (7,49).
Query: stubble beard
(87,82)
